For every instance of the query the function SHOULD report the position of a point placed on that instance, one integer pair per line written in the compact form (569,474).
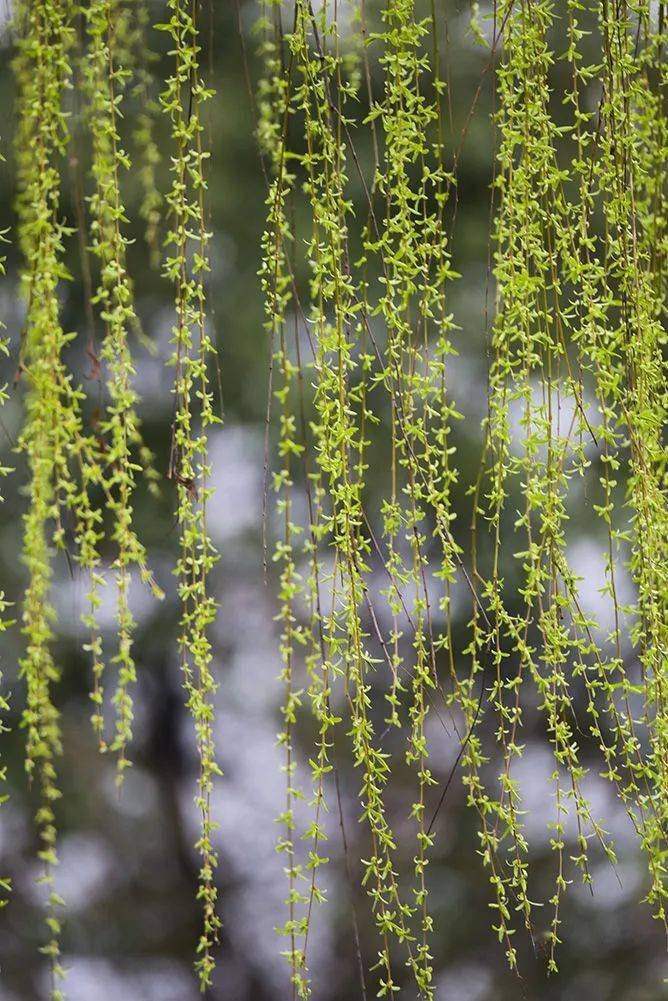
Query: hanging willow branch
(186,267)
(578,319)
(104,81)
(52,427)
(5,623)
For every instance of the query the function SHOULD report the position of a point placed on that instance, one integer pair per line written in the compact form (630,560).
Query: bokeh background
(128,867)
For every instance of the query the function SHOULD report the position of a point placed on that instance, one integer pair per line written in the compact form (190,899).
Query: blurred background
(128,868)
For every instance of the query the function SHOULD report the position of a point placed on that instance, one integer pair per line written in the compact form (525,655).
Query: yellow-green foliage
(104,81)
(5,623)
(186,266)
(356,269)
(71,465)
(52,431)
(576,350)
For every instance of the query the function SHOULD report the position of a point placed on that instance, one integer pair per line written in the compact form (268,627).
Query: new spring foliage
(357,266)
